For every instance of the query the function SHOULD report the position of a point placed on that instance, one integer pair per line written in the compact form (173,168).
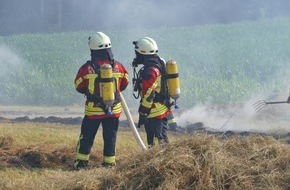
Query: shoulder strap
(163,96)
(96,67)
(137,79)
(160,65)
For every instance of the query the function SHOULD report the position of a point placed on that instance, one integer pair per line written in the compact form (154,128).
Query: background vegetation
(220,63)
(46,16)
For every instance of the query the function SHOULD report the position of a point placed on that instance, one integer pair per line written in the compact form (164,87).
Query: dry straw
(200,161)
(208,162)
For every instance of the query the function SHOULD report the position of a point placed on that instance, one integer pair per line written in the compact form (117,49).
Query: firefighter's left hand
(288,101)
(142,120)
(143,113)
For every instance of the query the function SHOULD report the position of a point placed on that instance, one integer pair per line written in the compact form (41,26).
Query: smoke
(10,66)
(270,119)
(9,60)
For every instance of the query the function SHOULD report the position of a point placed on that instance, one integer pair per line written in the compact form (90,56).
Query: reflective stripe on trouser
(110,159)
(171,122)
(156,128)
(89,130)
(80,156)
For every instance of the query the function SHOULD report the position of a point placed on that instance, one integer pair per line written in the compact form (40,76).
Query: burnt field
(219,151)
(271,122)
(40,155)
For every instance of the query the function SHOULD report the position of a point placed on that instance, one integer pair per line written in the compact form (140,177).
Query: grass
(38,155)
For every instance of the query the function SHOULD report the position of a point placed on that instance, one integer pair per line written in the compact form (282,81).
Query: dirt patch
(32,158)
(36,157)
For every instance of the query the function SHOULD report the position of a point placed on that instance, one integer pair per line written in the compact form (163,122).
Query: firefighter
(153,108)
(88,82)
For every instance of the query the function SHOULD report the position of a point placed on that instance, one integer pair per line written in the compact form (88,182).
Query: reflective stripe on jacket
(151,83)
(85,82)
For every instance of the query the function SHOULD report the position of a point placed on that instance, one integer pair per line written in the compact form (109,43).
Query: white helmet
(146,46)
(99,41)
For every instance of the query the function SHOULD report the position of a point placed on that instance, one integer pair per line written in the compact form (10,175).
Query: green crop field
(220,63)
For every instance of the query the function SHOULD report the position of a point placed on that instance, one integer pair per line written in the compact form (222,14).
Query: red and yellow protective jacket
(86,82)
(150,94)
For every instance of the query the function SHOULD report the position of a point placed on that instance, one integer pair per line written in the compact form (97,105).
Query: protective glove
(143,113)
(288,100)
(93,98)
(142,120)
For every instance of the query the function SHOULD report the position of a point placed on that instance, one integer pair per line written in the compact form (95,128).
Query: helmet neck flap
(102,54)
(145,59)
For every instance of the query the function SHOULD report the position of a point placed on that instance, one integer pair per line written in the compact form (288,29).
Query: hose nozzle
(175,105)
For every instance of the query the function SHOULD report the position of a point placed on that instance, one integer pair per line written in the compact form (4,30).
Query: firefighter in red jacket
(87,82)
(153,108)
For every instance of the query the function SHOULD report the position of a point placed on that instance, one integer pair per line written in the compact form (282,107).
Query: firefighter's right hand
(142,120)
(93,98)
(288,101)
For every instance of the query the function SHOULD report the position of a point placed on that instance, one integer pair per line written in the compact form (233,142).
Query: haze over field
(61,15)
(34,65)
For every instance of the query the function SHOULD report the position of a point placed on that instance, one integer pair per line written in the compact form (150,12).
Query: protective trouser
(156,128)
(89,130)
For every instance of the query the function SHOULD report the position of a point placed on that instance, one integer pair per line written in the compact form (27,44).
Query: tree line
(30,16)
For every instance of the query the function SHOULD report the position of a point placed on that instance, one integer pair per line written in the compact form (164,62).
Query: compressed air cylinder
(172,79)
(107,86)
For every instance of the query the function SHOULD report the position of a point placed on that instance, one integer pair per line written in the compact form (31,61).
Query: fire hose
(131,123)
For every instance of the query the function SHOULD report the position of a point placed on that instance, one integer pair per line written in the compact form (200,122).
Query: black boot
(163,142)
(108,165)
(80,164)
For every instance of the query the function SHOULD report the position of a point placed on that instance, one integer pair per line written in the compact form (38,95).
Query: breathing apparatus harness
(96,97)
(163,95)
